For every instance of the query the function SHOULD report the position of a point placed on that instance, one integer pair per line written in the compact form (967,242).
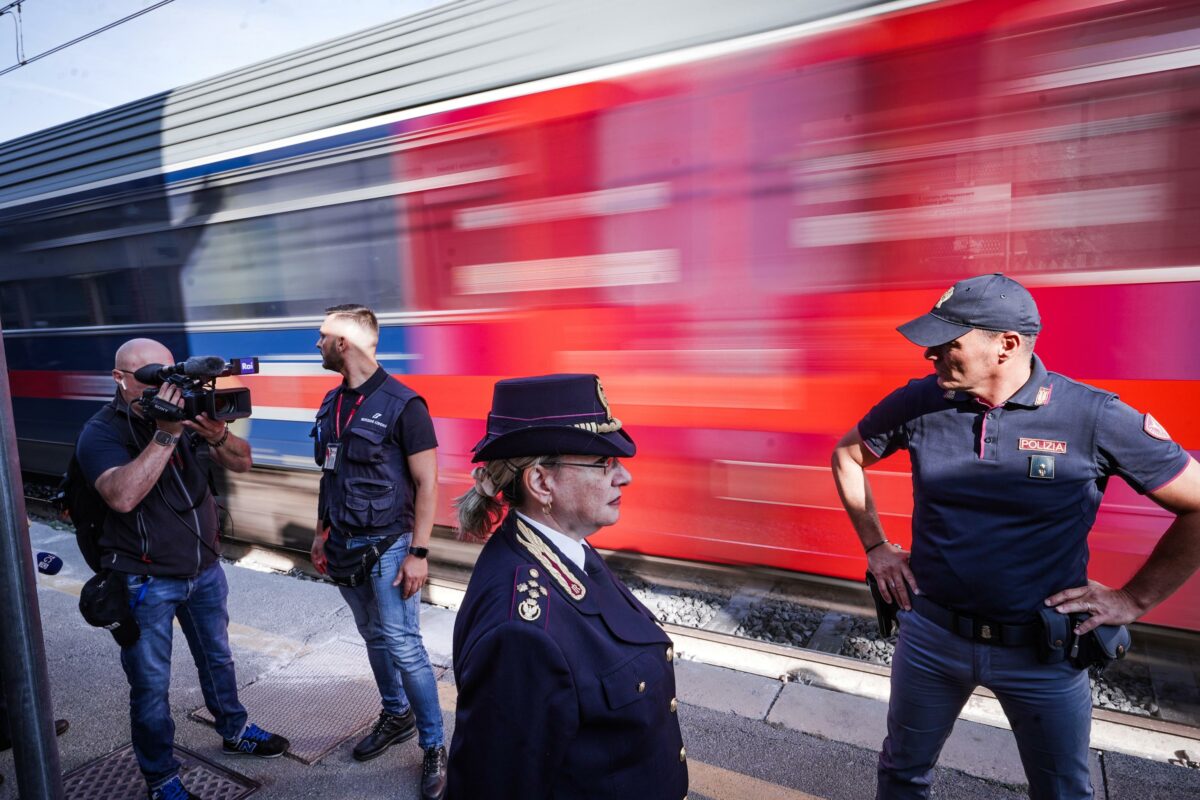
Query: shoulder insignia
(529,597)
(1043,395)
(554,565)
(1151,426)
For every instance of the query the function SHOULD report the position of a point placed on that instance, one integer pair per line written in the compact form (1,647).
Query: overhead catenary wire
(23,61)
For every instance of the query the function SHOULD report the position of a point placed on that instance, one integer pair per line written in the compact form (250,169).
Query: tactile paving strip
(116,777)
(317,701)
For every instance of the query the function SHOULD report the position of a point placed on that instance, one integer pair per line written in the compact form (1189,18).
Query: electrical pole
(22,651)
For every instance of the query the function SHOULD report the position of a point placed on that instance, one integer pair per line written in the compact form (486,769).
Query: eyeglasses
(608,464)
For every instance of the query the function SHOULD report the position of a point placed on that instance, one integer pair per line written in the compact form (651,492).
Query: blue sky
(182,42)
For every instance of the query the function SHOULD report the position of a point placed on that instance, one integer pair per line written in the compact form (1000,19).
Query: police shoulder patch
(1151,426)
(530,597)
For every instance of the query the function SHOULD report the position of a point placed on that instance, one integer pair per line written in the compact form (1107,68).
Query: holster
(885,612)
(1097,648)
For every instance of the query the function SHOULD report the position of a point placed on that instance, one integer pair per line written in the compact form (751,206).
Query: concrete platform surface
(748,737)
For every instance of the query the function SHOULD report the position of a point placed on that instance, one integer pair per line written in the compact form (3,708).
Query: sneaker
(433,774)
(256,742)
(172,790)
(389,729)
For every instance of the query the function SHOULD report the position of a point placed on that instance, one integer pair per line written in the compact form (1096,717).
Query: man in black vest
(375,443)
(161,537)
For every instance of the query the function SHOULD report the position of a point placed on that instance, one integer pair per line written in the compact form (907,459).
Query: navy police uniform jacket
(566,687)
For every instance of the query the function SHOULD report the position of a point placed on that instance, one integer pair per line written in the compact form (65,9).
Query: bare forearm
(233,455)
(423,509)
(1175,558)
(855,493)
(124,487)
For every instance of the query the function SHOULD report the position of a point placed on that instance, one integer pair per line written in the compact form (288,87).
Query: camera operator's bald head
(133,355)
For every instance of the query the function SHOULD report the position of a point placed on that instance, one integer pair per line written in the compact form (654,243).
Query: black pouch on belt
(352,568)
(885,612)
(1098,647)
(1056,636)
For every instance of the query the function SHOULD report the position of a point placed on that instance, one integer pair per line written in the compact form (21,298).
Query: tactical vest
(370,490)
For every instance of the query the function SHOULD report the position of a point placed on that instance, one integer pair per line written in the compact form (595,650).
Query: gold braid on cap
(612,426)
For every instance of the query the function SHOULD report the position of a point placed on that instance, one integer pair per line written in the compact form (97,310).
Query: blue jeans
(391,628)
(933,673)
(199,604)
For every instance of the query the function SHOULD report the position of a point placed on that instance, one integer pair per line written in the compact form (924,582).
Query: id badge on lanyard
(331,457)
(332,448)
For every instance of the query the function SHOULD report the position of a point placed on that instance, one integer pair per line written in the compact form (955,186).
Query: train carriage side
(729,242)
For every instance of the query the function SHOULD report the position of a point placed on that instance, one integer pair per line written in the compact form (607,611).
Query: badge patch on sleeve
(1041,467)
(1151,426)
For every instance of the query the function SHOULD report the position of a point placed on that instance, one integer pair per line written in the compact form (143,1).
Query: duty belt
(977,629)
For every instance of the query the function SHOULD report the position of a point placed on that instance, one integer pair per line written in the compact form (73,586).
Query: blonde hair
(497,488)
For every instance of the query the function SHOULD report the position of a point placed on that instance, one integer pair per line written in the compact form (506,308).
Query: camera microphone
(203,367)
(48,563)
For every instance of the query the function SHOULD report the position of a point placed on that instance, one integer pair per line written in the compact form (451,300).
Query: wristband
(220,441)
(877,544)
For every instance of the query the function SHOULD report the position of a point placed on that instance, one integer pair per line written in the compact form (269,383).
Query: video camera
(197,378)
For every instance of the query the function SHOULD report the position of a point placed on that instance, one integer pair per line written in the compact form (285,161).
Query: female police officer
(565,682)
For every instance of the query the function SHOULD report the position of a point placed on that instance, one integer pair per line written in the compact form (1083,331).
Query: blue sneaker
(255,741)
(172,790)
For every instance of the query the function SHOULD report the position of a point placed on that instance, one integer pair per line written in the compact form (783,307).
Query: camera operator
(161,537)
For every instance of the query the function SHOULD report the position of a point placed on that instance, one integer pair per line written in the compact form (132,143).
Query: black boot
(433,774)
(389,729)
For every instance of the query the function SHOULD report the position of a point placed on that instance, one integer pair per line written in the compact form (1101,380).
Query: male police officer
(375,443)
(161,538)
(1009,464)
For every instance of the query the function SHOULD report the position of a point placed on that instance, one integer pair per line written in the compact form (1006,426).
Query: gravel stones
(687,607)
(781,622)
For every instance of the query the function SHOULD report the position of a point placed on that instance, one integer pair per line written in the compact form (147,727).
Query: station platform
(303,673)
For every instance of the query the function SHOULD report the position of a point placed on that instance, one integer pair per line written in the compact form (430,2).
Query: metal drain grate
(116,777)
(317,701)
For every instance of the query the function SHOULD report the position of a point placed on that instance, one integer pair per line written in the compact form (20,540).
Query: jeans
(933,673)
(391,628)
(199,605)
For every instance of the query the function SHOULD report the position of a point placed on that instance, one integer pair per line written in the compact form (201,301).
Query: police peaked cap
(550,415)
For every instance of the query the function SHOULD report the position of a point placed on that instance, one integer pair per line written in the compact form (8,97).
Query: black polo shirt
(1003,498)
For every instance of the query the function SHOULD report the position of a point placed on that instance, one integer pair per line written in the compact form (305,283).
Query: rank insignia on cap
(1041,467)
(949,293)
(1151,426)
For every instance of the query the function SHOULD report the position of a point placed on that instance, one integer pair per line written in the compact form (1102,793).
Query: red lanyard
(337,415)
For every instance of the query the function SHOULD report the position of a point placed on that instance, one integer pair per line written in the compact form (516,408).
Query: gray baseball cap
(991,302)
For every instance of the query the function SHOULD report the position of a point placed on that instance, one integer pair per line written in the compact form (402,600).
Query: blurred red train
(726,232)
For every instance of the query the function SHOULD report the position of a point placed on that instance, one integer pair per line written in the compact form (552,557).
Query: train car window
(296,263)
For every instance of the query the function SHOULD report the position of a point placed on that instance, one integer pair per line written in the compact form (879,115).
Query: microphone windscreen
(149,374)
(48,563)
(204,366)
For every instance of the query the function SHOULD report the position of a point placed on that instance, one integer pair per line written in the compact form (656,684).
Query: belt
(977,629)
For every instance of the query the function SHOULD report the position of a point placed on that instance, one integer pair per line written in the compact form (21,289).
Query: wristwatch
(164,438)
(419,552)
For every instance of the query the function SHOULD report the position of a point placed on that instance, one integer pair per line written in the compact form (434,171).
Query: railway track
(811,629)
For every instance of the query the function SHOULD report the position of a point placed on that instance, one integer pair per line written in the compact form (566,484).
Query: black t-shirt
(415,432)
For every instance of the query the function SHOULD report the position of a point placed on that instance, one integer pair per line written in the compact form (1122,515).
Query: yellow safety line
(239,635)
